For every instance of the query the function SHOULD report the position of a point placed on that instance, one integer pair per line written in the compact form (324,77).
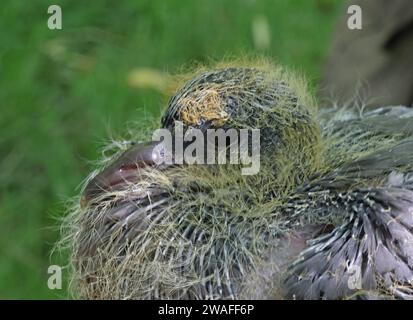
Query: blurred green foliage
(62,92)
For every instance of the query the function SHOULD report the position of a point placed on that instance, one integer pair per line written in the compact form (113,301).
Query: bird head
(266,102)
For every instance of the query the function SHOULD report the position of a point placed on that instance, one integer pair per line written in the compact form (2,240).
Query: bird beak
(126,169)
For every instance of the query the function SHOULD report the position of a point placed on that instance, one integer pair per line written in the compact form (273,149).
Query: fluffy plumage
(330,214)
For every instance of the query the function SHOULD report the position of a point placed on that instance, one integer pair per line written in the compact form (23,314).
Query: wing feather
(370,255)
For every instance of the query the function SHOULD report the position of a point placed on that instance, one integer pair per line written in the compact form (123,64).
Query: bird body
(329,215)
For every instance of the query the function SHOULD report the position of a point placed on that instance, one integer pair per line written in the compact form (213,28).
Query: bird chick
(329,215)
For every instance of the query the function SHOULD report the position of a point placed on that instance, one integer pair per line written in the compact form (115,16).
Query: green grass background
(63,92)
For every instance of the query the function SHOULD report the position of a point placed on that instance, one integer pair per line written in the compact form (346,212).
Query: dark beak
(126,169)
